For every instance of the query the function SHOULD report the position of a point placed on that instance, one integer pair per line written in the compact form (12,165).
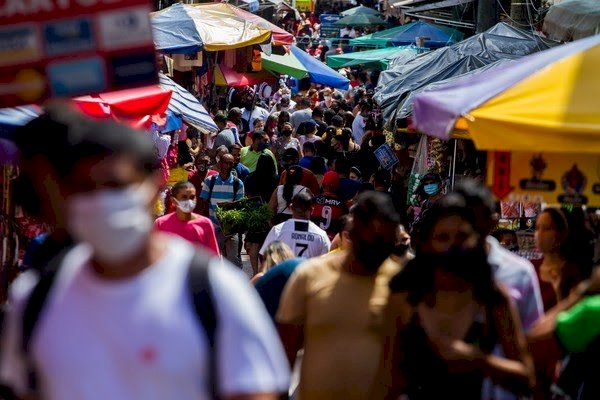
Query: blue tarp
(175,32)
(185,105)
(438,36)
(318,72)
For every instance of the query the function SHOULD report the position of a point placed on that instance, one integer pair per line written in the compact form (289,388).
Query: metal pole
(453,169)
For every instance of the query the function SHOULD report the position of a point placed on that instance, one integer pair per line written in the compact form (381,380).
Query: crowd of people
(116,304)
(137,290)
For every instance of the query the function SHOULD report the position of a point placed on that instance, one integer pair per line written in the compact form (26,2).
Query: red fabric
(199,231)
(236,79)
(133,106)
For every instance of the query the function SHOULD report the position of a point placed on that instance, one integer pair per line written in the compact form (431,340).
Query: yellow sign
(553,178)
(304,5)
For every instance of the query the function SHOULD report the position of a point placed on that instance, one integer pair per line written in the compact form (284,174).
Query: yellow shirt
(342,318)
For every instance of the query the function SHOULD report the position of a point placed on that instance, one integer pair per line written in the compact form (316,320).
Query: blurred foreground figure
(446,315)
(332,305)
(129,313)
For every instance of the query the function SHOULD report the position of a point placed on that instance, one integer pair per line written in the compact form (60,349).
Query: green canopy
(360,20)
(378,58)
(360,10)
(378,39)
(286,65)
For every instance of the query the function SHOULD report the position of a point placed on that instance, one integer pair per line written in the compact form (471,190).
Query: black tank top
(427,374)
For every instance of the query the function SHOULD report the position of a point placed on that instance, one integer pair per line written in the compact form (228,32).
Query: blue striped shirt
(222,192)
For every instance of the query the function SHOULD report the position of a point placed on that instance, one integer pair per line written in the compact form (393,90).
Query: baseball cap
(331,179)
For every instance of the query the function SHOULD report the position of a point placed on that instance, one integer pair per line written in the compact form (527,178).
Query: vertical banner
(55,48)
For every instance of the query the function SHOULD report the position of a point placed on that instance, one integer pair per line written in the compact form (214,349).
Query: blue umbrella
(175,32)
(318,72)
(437,36)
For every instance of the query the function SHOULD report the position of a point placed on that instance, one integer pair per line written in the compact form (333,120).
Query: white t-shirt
(358,128)
(282,204)
(139,338)
(304,237)
(257,112)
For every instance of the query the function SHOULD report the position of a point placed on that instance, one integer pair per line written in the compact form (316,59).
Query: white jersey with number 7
(304,237)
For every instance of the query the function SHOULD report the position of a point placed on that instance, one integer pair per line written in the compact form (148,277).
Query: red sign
(67,48)
(501,186)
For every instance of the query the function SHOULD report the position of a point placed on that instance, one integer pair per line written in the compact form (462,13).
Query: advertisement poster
(73,47)
(553,178)
(386,156)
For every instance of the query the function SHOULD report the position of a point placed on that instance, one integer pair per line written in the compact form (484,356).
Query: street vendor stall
(543,133)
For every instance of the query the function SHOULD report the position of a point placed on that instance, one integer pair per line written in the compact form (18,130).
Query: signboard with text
(67,48)
(328,29)
(553,178)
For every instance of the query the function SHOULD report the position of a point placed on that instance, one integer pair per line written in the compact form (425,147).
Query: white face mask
(187,206)
(115,222)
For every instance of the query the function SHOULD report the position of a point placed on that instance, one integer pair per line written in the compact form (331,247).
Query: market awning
(378,58)
(521,105)
(189,28)
(284,65)
(360,20)
(133,106)
(186,106)
(225,76)
(299,64)
(360,10)
(378,39)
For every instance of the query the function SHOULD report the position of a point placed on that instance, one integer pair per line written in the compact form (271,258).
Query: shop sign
(70,48)
(553,178)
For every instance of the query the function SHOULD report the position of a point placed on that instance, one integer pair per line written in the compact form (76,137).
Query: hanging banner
(553,178)
(73,47)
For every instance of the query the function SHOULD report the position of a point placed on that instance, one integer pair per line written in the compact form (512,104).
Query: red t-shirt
(199,231)
(327,213)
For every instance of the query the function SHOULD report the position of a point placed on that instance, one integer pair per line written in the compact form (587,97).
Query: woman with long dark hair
(283,194)
(568,253)
(259,183)
(446,315)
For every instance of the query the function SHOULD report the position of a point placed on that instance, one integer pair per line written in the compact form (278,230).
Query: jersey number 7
(302,247)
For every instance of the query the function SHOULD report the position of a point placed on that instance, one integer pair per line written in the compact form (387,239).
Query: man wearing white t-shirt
(119,320)
(304,237)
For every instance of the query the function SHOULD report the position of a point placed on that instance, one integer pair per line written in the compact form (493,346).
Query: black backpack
(201,297)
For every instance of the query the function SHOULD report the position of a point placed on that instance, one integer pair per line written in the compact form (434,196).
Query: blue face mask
(431,188)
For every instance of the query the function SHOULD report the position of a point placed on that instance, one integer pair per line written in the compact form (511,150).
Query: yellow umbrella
(188,28)
(544,102)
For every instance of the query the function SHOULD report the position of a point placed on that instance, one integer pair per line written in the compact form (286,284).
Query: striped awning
(185,105)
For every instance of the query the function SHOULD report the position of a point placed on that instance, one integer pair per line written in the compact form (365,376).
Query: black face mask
(286,133)
(372,254)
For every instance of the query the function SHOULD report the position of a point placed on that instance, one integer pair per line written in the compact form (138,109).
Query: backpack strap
(202,300)
(211,186)
(32,312)
(236,186)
